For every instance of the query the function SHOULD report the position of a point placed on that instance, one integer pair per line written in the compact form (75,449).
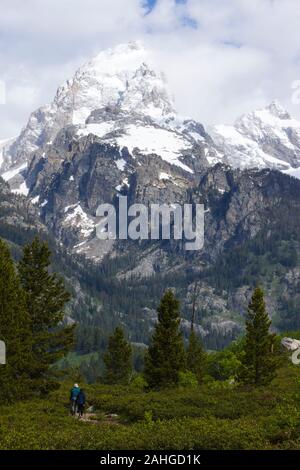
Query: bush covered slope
(213,416)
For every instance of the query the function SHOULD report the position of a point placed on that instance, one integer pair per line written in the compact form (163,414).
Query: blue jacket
(80,398)
(74,393)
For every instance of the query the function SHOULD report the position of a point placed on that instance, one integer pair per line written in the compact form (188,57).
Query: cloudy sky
(221,57)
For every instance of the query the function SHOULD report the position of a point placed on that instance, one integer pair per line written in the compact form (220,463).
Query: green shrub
(188,380)
(138,382)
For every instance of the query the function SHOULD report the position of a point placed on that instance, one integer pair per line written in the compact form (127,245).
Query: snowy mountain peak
(270,116)
(121,77)
(267,137)
(277,110)
(120,50)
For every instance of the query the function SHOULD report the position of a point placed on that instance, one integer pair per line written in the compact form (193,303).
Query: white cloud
(243,53)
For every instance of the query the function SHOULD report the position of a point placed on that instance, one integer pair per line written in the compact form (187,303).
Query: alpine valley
(113,130)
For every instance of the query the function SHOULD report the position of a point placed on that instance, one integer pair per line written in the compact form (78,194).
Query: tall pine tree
(166,356)
(260,360)
(45,298)
(15,331)
(118,359)
(196,357)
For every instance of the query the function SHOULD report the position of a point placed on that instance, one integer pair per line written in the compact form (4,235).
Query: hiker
(73,397)
(80,402)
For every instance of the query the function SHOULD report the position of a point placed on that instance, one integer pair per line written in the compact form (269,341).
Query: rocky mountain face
(17,214)
(112,131)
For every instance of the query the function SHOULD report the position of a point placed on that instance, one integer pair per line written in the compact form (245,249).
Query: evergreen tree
(260,359)
(117,359)
(196,357)
(45,298)
(14,331)
(166,355)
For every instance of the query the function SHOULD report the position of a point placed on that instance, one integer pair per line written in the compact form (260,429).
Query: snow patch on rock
(121,163)
(151,140)
(76,217)
(22,189)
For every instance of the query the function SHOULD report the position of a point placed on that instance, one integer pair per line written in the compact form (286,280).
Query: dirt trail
(92,418)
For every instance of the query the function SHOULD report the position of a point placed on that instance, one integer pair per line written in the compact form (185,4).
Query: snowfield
(8,175)
(150,140)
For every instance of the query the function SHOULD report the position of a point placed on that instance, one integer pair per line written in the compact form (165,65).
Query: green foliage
(224,365)
(166,355)
(260,361)
(203,418)
(148,418)
(138,382)
(14,331)
(196,357)
(219,384)
(56,431)
(45,298)
(188,379)
(117,359)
